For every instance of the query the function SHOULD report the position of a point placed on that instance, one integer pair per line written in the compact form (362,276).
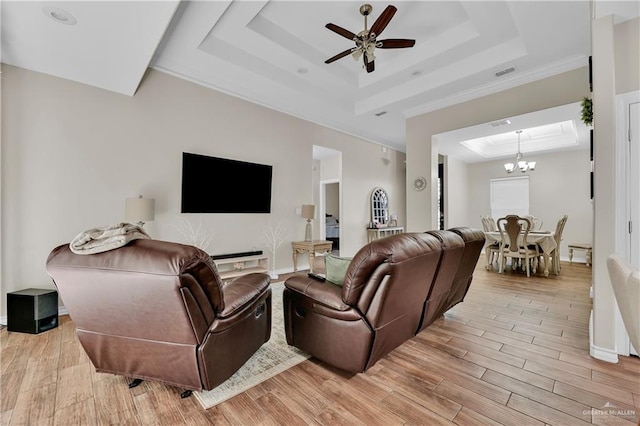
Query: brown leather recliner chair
(393,288)
(157,310)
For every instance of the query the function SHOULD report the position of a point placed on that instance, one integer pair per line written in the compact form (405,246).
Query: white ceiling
(272,52)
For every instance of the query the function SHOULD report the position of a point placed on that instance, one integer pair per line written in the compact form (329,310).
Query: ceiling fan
(366,40)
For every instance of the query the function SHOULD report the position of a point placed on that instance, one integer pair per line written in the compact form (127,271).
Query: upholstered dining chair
(488,223)
(536,223)
(491,251)
(557,235)
(514,231)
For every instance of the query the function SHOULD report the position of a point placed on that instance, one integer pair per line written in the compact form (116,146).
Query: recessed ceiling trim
(539,138)
(558,67)
(483,60)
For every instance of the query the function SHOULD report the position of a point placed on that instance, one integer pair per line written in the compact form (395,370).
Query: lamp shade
(139,209)
(308,211)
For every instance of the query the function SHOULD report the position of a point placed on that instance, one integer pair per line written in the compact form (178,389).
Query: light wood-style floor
(516,352)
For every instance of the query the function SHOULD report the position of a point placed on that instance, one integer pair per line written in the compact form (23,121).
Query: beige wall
(550,92)
(616,59)
(72,153)
(627,46)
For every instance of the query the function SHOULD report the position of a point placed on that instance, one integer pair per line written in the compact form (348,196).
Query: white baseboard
(61,311)
(576,259)
(603,354)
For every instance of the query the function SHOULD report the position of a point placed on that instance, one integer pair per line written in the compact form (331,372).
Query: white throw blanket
(106,238)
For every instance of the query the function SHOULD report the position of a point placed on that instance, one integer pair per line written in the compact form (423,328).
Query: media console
(234,265)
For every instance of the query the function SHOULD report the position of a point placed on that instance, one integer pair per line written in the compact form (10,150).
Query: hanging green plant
(587,111)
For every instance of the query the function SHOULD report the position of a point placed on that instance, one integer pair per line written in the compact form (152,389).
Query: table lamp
(308,212)
(139,210)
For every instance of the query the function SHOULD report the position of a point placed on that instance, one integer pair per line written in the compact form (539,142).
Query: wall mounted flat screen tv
(221,185)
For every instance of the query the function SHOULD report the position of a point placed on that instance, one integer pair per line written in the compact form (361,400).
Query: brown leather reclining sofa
(157,310)
(393,288)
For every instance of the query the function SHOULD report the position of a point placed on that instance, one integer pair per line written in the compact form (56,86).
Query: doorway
(330,205)
(327,194)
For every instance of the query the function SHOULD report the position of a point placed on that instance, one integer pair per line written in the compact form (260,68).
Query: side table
(311,247)
(385,231)
(32,310)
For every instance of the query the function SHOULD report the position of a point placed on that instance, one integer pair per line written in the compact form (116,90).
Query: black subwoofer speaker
(32,310)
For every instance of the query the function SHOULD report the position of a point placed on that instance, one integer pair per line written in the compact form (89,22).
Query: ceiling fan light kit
(366,40)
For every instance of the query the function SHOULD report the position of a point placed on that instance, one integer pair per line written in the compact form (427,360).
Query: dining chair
(490,224)
(536,222)
(492,250)
(557,235)
(514,231)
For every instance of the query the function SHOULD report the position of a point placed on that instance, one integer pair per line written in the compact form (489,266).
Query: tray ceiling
(272,52)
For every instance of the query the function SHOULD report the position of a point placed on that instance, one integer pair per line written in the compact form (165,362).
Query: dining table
(544,239)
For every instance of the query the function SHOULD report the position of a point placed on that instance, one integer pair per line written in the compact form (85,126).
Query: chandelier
(520,163)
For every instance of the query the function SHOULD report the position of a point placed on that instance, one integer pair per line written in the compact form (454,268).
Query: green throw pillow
(336,268)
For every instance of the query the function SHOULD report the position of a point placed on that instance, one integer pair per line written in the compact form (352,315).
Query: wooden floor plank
(555,401)
(35,406)
(74,386)
(630,383)
(542,412)
(488,408)
(413,413)
(10,383)
(488,352)
(531,352)
(613,392)
(363,410)
(514,372)
(280,412)
(422,394)
(585,397)
(80,413)
(468,417)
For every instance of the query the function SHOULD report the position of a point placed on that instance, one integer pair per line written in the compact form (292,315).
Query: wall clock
(419,183)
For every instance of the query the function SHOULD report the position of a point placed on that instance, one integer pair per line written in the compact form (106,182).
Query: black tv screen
(221,185)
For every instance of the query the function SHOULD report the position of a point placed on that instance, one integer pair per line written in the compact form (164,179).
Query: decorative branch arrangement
(273,236)
(195,236)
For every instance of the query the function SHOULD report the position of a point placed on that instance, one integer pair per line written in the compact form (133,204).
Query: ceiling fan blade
(340,55)
(395,43)
(383,20)
(339,30)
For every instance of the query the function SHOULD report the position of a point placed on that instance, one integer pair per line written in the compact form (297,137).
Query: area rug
(272,358)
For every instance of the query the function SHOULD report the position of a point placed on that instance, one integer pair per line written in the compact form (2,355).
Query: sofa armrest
(242,291)
(323,292)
